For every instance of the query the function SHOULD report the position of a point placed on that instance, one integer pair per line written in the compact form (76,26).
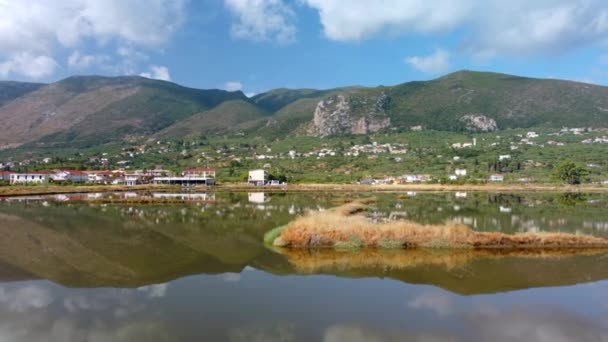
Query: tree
(570,173)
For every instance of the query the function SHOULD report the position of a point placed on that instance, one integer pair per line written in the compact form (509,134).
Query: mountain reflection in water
(94,271)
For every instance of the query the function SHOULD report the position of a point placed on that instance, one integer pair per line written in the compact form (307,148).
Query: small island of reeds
(347,226)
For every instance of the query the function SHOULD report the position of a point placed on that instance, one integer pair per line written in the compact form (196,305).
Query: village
(190,177)
(507,153)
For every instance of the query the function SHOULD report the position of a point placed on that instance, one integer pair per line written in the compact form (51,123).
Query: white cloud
(40,28)
(262,20)
(494,27)
(435,63)
(233,86)
(157,73)
(28,65)
(357,19)
(79,61)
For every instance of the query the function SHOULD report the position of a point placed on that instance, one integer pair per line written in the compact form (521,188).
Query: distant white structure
(504,156)
(198,176)
(29,178)
(200,172)
(496,178)
(460,172)
(258,177)
(5,176)
(132,179)
(70,176)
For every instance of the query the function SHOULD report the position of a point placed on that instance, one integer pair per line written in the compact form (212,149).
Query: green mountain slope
(91,110)
(510,100)
(230,116)
(10,90)
(276,99)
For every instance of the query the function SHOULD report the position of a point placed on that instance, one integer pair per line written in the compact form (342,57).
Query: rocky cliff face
(350,114)
(479,123)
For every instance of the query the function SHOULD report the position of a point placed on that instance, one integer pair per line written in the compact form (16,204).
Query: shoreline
(12,191)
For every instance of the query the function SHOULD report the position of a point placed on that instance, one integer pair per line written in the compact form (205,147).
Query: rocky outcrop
(350,114)
(479,123)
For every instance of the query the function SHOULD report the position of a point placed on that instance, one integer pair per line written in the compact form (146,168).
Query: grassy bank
(342,228)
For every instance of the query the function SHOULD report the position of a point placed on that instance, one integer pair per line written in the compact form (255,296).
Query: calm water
(76,268)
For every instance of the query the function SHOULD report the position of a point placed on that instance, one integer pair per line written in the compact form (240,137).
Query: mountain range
(84,111)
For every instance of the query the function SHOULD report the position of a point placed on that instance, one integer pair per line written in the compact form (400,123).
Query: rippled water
(103,268)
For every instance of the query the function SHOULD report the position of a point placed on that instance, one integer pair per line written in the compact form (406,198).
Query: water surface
(77,268)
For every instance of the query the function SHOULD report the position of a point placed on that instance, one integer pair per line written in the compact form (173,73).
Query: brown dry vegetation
(340,227)
(326,260)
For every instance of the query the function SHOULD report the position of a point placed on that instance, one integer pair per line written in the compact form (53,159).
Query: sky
(258,45)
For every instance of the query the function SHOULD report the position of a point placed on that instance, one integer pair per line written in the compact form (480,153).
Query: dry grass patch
(341,227)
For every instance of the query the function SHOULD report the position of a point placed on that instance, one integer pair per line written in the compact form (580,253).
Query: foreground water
(77,268)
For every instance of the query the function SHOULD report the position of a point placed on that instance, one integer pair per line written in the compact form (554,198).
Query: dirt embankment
(346,227)
(6,191)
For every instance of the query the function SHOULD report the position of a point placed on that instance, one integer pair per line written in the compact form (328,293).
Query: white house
(496,178)
(504,156)
(29,178)
(200,172)
(70,176)
(132,179)
(258,177)
(5,176)
(460,172)
(103,177)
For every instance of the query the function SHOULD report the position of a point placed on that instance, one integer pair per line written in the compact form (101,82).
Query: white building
(200,176)
(132,179)
(258,177)
(29,178)
(5,176)
(69,176)
(460,172)
(504,156)
(200,172)
(496,178)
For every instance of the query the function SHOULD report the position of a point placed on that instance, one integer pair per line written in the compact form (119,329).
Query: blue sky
(256,45)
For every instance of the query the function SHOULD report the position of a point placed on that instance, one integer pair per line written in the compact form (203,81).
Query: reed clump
(343,227)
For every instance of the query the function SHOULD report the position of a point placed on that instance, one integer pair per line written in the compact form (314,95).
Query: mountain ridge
(84,111)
